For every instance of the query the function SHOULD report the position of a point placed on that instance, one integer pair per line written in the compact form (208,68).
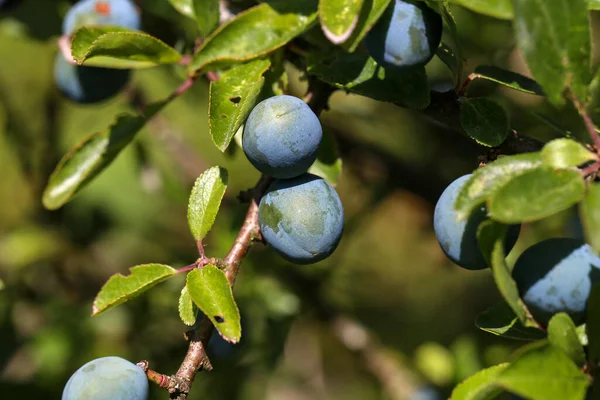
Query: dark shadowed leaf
(509,79)
(536,194)
(328,164)
(187,308)
(554,37)
(448,57)
(501,320)
(565,153)
(545,373)
(339,18)
(592,326)
(254,33)
(120,48)
(589,212)
(562,334)
(370,12)
(481,386)
(118,289)
(205,201)
(209,289)
(484,120)
(231,99)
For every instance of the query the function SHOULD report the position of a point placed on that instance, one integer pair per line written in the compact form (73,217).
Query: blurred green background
(385,315)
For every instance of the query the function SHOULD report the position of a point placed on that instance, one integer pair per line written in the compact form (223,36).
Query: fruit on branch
(107,378)
(407,35)
(122,13)
(458,238)
(87,84)
(301,218)
(281,136)
(556,275)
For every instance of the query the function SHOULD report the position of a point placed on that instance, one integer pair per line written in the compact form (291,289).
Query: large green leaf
(209,289)
(360,74)
(501,9)
(231,99)
(484,120)
(85,161)
(328,164)
(118,289)
(205,201)
(508,78)
(554,36)
(592,326)
(370,13)
(481,386)
(501,320)
(590,216)
(565,153)
(339,18)
(120,48)
(562,334)
(489,179)
(186,307)
(536,194)
(254,33)
(545,373)
(207,15)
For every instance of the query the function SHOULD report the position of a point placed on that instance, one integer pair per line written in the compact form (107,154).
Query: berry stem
(589,124)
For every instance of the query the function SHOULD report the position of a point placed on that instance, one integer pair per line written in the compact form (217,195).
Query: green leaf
(509,79)
(536,194)
(207,15)
(592,326)
(120,48)
(187,308)
(185,7)
(501,9)
(443,8)
(339,18)
(562,334)
(501,320)
(118,289)
(484,120)
(369,14)
(360,74)
(481,386)
(205,201)
(594,4)
(85,161)
(448,57)
(565,153)
(231,99)
(545,373)
(589,211)
(488,180)
(328,164)
(554,36)
(254,33)
(211,292)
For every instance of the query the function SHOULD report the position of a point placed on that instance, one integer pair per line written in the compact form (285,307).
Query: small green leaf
(484,120)
(443,8)
(501,9)
(554,37)
(489,179)
(562,334)
(592,326)
(589,210)
(85,161)
(254,33)
(206,13)
(205,201)
(211,292)
(328,164)
(545,373)
(370,13)
(187,308)
(536,194)
(509,79)
(185,7)
(120,48)
(118,289)
(231,99)
(360,74)
(566,153)
(481,386)
(339,18)
(448,57)
(501,320)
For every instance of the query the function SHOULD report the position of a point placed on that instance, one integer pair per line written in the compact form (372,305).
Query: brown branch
(589,124)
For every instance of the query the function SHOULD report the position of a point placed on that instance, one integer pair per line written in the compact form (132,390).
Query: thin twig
(589,124)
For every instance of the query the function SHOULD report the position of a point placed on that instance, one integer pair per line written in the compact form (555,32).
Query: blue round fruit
(88,84)
(407,35)
(556,275)
(121,13)
(458,238)
(107,378)
(282,136)
(301,218)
